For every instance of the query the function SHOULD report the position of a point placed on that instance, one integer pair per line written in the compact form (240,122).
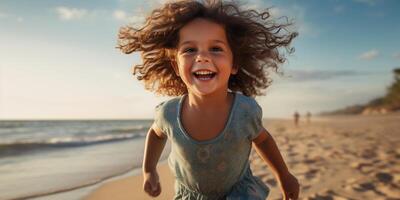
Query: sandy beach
(341,157)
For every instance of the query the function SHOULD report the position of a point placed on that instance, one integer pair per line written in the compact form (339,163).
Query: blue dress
(217,168)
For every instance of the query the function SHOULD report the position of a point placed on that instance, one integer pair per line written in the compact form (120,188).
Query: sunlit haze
(58,58)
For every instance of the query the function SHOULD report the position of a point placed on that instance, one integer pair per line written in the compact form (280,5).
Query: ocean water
(67,159)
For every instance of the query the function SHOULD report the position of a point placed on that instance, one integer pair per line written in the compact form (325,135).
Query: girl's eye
(189,50)
(216,49)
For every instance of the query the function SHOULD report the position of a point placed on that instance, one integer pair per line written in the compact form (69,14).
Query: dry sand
(346,157)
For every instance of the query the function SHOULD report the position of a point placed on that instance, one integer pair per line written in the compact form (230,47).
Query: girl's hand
(151,184)
(290,187)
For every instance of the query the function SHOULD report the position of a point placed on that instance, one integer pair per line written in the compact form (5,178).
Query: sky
(58,58)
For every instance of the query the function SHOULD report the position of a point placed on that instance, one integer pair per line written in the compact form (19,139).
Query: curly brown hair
(254,36)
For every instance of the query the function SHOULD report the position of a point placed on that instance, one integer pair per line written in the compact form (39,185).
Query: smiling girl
(212,57)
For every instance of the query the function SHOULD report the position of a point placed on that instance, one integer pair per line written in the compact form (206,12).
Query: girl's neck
(209,103)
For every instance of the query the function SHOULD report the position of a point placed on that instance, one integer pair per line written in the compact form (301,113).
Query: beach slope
(339,157)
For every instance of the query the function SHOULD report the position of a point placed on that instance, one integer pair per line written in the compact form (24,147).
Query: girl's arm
(155,142)
(268,150)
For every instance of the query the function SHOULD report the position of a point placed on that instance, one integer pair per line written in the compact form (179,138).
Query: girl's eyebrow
(216,41)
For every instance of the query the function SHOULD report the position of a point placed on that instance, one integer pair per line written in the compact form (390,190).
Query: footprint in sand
(310,145)
(363,167)
(311,161)
(362,187)
(394,153)
(384,177)
(328,195)
(292,154)
(368,154)
(310,176)
(320,197)
(370,187)
(389,191)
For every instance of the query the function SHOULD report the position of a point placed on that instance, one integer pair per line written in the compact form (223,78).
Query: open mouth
(204,75)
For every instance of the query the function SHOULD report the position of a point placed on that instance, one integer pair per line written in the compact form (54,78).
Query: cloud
(65,13)
(123,16)
(369,55)
(119,15)
(311,75)
(396,55)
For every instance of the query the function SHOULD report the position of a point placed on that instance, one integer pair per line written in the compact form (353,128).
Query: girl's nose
(203,57)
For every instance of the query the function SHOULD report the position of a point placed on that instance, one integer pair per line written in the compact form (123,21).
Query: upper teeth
(203,72)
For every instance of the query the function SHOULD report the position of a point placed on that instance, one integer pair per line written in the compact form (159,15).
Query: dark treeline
(388,103)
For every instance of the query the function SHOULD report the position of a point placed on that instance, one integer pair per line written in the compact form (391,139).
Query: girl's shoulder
(168,105)
(247,104)
(249,115)
(166,114)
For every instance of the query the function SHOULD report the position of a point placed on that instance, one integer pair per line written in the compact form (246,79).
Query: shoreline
(130,187)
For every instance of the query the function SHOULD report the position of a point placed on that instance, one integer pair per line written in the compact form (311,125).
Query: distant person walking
(308,116)
(296,116)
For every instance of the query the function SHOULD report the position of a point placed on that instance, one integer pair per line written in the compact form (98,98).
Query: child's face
(204,58)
